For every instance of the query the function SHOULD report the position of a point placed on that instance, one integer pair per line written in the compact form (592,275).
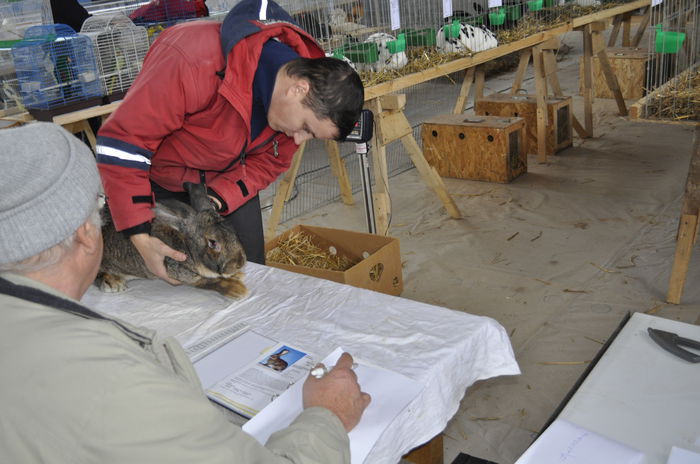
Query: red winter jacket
(180,119)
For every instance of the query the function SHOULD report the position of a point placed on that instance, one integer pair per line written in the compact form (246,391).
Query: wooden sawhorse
(625,20)
(687,227)
(390,124)
(545,70)
(594,44)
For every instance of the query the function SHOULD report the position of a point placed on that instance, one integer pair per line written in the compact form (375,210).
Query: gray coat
(77,390)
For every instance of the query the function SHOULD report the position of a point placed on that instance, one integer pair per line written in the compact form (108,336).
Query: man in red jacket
(223,104)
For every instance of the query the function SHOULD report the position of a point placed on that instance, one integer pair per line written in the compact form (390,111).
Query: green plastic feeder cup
(513,13)
(452,31)
(668,41)
(497,18)
(550,3)
(398,45)
(420,38)
(535,5)
(365,52)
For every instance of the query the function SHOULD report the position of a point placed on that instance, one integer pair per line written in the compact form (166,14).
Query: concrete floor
(558,257)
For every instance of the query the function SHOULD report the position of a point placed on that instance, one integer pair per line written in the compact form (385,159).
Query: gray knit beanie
(48,187)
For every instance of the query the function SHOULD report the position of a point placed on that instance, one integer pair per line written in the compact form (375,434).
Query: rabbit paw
(110,283)
(232,287)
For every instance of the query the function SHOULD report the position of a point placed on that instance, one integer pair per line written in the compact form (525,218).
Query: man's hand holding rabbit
(153,251)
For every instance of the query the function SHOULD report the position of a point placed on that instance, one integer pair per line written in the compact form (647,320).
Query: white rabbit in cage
(386,59)
(471,38)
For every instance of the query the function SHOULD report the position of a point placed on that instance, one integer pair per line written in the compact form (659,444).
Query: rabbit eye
(214,245)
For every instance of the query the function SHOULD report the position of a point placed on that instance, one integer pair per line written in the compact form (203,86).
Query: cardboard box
(488,148)
(559,131)
(378,258)
(630,67)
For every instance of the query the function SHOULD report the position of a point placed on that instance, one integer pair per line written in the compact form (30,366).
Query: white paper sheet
(566,443)
(391,392)
(683,456)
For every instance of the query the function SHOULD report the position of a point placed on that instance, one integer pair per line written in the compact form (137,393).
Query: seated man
(82,387)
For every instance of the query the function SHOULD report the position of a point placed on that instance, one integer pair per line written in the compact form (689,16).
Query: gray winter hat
(49,185)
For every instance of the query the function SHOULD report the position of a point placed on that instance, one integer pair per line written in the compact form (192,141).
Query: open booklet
(261,378)
(249,370)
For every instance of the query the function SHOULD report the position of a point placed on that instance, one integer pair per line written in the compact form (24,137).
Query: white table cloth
(445,350)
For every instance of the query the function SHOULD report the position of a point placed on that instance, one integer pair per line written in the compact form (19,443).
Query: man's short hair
(336,90)
(49,186)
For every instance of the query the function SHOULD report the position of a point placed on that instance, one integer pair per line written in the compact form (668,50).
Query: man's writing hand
(339,392)
(153,251)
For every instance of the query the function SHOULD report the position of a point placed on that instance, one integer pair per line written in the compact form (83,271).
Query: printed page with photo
(249,389)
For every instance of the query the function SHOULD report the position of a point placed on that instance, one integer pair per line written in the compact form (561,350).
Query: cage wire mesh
(57,70)
(673,74)
(120,47)
(16,16)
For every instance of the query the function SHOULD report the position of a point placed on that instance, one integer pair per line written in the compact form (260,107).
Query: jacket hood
(245,18)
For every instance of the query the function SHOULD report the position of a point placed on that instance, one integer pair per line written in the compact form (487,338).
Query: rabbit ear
(198,196)
(173,213)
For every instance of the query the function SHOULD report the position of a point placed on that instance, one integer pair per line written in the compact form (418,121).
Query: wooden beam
(541,88)
(464,91)
(626,29)
(339,171)
(642,27)
(687,226)
(479,82)
(393,102)
(550,68)
(608,72)
(382,201)
(608,13)
(283,193)
(430,175)
(617,20)
(588,80)
(522,68)
(687,231)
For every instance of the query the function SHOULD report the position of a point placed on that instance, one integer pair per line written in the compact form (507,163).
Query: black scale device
(361,134)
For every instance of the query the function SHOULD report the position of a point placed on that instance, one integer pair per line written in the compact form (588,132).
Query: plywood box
(377,257)
(630,67)
(559,134)
(489,148)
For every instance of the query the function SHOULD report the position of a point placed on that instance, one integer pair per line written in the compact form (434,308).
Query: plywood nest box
(559,134)
(630,67)
(486,148)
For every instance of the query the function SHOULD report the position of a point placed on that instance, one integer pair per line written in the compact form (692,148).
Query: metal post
(361,149)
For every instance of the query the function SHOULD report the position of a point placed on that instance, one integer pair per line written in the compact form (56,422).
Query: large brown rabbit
(214,254)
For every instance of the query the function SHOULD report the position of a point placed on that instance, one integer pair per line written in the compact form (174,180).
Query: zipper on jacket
(275,143)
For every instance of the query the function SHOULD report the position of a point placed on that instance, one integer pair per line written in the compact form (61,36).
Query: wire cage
(218,9)
(16,16)
(57,71)
(673,64)
(120,47)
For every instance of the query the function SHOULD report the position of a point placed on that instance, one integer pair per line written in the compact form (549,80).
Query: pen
(319,372)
